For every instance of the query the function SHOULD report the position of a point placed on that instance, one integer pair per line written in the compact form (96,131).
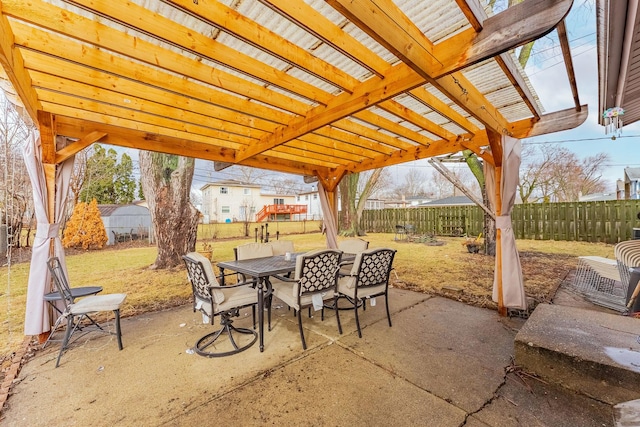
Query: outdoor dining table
(260,269)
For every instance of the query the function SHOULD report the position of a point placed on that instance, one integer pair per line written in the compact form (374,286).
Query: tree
(107,180)
(15,188)
(124,184)
(247,214)
(556,174)
(166,182)
(353,198)
(78,176)
(282,185)
(413,184)
(85,228)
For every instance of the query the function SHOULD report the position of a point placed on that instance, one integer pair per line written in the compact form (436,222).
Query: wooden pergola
(315,88)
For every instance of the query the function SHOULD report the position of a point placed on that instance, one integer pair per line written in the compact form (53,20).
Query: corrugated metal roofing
(316,88)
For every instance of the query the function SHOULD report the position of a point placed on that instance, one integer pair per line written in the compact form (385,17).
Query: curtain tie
(47,231)
(503,221)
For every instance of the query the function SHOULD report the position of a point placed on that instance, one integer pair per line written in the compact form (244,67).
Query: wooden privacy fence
(605,221)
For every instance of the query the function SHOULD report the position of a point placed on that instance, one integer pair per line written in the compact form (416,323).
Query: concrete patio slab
(524,400)
(441,350)
(330,386)
(442,363)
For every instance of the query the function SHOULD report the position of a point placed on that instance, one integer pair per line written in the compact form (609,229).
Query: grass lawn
(419,267)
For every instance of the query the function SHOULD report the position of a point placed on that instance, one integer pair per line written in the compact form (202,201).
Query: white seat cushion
(285,291)
(281,247)
(353,246)
(254,250)
(95,303)
(237,296)
(346,286)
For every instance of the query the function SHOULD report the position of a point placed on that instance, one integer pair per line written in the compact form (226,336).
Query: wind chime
(613,121)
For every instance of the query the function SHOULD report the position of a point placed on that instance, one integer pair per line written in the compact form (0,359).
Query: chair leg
(304,343)
(118,331)
(335,304)
(67,336)
(355,308)
(268,314)
(227,328)
(386,299)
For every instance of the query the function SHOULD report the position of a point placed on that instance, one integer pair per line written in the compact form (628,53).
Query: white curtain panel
(513,295)
(330,222)
(37,319)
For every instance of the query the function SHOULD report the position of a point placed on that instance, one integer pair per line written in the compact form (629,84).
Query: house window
(224,190)
(247,191)
(306,197)
(226,209)
(298,198)
(315,197)
(278,201)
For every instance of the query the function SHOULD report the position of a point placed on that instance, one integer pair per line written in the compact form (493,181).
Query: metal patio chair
(212,300)
(75,312)
(315,281)
(369,278)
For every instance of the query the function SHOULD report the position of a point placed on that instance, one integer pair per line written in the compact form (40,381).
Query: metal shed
(125,222)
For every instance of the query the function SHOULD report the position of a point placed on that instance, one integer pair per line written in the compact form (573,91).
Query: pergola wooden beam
(386,23)
(416,153)
(74,26)
(325,103)
(308,18)
(231,22)
(513,27)
(548,123)
(120,136)
(568,62)
(13,65)
(78,145)
(375,90)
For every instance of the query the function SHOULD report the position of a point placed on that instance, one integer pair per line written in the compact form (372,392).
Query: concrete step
(591,352)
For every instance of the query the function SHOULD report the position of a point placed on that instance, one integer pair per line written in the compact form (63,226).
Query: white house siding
(229,206)
(312,201)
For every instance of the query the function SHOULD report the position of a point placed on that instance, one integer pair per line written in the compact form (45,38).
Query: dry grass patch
(451,271)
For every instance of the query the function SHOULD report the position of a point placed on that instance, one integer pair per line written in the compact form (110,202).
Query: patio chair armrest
(235,285)
(284,278)
(245,280)
(341,274)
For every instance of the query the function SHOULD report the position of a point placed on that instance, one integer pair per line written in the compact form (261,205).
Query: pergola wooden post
(48,144)
(496,152)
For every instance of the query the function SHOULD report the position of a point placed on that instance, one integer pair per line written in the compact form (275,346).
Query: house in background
(231,201)
(597,197)
(125,222)
(632,183)
(311,199)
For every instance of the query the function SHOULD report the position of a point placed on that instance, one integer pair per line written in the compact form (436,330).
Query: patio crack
(496,393)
